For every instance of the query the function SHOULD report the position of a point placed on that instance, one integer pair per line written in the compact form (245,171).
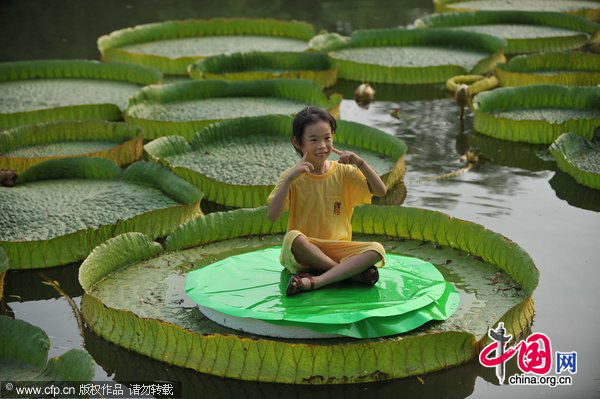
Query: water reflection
(566,188)
(28,285)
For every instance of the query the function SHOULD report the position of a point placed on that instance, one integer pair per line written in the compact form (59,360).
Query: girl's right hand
(301,167)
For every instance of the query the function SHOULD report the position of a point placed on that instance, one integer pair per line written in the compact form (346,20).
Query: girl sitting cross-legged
(320,195)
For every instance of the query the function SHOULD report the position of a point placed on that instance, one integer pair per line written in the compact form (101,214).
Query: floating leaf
(171,46)
(186,107)
(414,55)
(569,69)
(585,8)
(579,158)
(274,65)
(62,208)
(24,356)
(237,162)
(148,312)
(43,91)
(537,113)
(26,146)
(524,31)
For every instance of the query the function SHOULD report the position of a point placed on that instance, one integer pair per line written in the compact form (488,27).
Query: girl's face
(317,142)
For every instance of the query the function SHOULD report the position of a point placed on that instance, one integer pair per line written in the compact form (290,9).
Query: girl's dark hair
(308,116)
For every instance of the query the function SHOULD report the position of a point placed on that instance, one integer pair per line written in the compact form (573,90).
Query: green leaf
(171,46)
(148,313)
(583,8)
(61,209)
(524,31)
(537,113)
(24,356)
(415,55)
(23,147)
(186,107)
(236,162)
(579,158)
(569,69)
(53,90)
(262,65)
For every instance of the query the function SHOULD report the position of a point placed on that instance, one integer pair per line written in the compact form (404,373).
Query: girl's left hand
(348,157)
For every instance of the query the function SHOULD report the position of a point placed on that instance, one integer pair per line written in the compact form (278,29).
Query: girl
(321,195)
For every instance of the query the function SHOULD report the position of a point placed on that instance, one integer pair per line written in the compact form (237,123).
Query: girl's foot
(300,282)
(369,276)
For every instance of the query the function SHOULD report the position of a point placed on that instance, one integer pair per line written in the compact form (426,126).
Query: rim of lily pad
(110,45)
(266,65)
(583,29)
(353,70)
(128,141)
(532,97)
(55,69)
(291,89)
(447,6)
(3,269)
(33,364)
(249,196)
(75,246)
(291,361)
(566,149)
(570,69)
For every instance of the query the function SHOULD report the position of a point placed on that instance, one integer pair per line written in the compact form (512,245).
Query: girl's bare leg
(348,268)
(309,254)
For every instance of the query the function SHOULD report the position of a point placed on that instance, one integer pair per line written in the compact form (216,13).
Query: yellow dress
(321,208)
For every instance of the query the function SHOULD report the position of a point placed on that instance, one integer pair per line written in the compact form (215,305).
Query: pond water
(513,190)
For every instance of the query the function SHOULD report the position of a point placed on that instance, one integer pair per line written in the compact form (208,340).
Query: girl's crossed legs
(330,258)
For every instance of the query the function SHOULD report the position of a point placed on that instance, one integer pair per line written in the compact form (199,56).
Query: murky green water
(514,190)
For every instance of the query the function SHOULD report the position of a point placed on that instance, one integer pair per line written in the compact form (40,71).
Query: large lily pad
(586,8)
(524,31)
(537,113)
(173,45)
(3,269)
(61,209)
(186,107)
(26,146)
(135,298)
(579,158)
(262,65)
(237,162)
(569,69)
(43,91)
(24,356)
(411,56)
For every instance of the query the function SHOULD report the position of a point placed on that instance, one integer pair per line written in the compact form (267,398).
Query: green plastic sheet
(409,293)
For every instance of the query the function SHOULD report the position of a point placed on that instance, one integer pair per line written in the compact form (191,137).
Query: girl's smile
(317,144)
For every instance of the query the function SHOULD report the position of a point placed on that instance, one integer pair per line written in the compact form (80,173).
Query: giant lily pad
(412,55)
(237,162)
(579,158)
(524,31)
(569,69)
(537,113)
(26,146)
(43,91)
(173,45)
(134,298)
(586,8)
(3,269)
(186,107)
(24,356)
(61,209)
(261,65)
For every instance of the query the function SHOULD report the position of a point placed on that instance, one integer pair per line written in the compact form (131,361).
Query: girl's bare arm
(278,201)
(376,185)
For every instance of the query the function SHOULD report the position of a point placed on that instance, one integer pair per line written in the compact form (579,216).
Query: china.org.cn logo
(534,359)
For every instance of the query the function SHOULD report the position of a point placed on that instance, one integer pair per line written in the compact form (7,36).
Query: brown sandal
(295,284)
(369,276)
